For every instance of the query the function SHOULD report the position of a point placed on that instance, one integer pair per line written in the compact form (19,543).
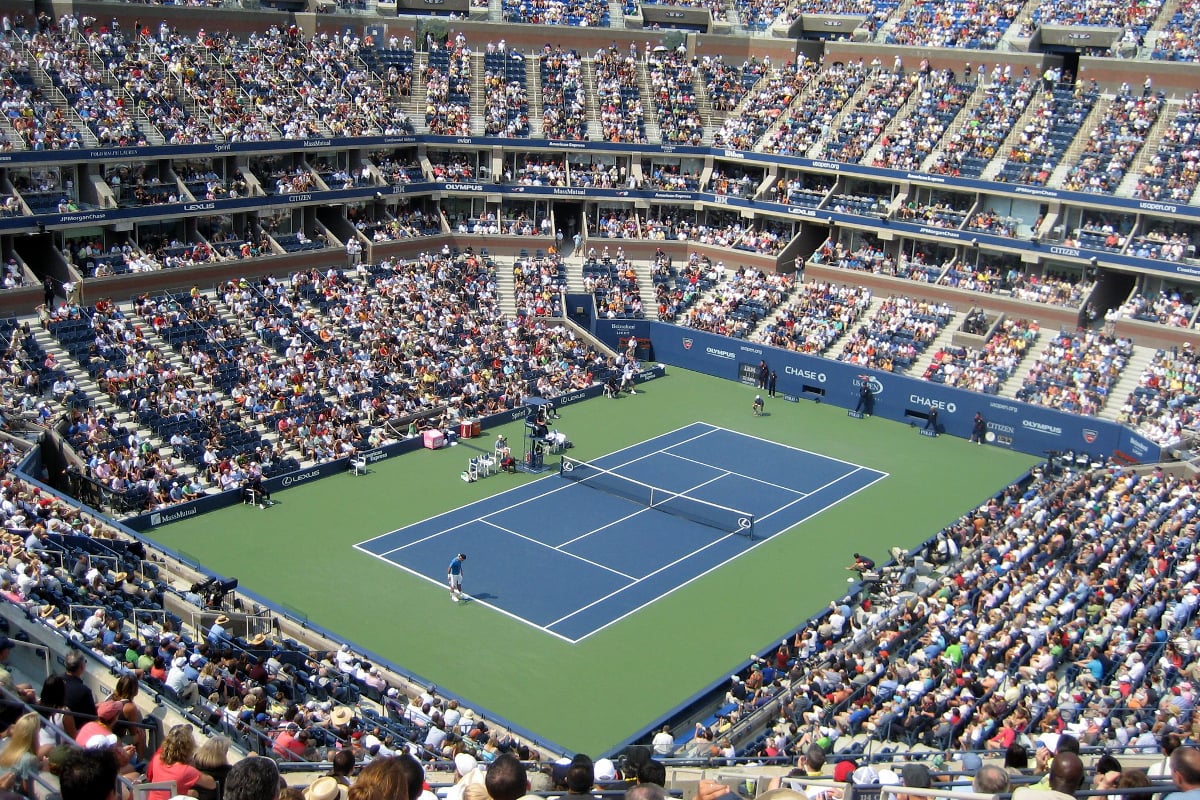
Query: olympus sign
(807,374)
(718,353)
(1041,427)
(929,402)
(465,187)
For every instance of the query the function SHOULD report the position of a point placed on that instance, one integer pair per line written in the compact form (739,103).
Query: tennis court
(572,553)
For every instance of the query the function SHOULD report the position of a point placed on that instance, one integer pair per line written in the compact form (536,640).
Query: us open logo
(687,344)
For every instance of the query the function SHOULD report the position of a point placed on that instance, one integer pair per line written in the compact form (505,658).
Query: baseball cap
(843,771)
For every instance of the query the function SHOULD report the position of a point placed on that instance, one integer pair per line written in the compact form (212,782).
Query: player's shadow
(484,596)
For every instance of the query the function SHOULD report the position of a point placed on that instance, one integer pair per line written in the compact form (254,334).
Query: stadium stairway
(943,339)
(533,91)
(100,400)
(1009,386)
(1010,141)
(896,16)
(478,100)
(650,118)
(704,107)
(1130,378)
(1065,164)
(1149,148)
(172,356)
(506,289)
(594,131)
(616,14)
(496,10)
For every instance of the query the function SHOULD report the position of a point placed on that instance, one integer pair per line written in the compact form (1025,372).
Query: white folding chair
(472,473)
(487,464)
(358,464)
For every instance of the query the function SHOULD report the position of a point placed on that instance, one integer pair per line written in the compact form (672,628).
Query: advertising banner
(1008,423)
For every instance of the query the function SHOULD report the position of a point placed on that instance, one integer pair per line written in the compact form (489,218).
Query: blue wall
(1012,424)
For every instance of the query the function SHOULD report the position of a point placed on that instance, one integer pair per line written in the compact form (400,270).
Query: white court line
(664,451)
(672,590)
(639,580)
(742,435)
(738,474)
(534,498)
(564,552)
(525,486)
(684,558)
(505,612)
(822,488)
(602,527)
(684,493)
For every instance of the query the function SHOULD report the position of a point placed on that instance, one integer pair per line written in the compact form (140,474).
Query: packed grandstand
(391,223)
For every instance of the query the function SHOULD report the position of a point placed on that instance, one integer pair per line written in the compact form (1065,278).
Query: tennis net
(702,512)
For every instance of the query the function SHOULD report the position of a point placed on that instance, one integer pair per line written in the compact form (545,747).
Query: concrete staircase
(1149,148)
(506,287)
(616,15)
(1009,387)
(1069,158)
(943,339)
(100,400)
(1131,378)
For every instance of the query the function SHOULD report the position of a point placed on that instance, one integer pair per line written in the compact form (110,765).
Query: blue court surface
(571,559)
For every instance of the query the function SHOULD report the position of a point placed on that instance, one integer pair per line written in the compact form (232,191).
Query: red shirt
(184,775)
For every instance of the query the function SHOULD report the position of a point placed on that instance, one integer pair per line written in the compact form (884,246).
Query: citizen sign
(807,374)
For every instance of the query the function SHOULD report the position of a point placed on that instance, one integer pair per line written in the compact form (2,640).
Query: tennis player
(454,574)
